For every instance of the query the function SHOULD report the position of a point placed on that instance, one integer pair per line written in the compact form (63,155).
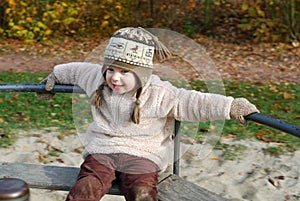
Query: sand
(251,175)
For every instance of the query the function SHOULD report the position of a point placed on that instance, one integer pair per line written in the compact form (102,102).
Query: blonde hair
(97,97)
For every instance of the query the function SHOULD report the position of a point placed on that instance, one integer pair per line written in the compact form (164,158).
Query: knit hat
(133,49)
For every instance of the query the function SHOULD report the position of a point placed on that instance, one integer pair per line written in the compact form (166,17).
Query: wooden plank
(170,187)
(45,176)
(176,188)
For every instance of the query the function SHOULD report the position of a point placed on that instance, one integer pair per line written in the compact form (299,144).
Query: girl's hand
(50,81)
(241,107)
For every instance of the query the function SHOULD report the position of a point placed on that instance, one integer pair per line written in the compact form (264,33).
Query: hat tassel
(162,53)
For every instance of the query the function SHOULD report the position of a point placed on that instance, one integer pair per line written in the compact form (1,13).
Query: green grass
(25,111)
(231,152)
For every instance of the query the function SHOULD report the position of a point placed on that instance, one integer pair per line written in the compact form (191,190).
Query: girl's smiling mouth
(117,86)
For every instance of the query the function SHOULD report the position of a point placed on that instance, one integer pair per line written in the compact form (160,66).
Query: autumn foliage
(41,19)
(251,20)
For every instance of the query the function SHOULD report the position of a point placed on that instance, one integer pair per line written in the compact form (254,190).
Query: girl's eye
(123,71)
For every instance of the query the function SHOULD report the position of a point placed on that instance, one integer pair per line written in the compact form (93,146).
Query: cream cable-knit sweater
(112,130)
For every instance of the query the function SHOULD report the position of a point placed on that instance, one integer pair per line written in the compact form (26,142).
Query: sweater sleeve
(86,75)
(190,105)
(196,106)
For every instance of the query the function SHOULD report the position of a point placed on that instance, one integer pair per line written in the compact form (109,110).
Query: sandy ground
(253,175)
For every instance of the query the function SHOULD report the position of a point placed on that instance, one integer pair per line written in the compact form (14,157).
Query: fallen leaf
(25,148)
(270,140)
(277,106)
(259,134)
(273,88)
(273,182)
(229,136)
(280,177)
(59,160)
(192,4)
(295,43)
(286,95)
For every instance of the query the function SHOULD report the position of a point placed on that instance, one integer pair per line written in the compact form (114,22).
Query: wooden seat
(170,187)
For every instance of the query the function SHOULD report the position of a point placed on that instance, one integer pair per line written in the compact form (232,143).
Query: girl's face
(120,80)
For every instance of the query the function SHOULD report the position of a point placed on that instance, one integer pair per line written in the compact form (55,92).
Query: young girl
(134,113)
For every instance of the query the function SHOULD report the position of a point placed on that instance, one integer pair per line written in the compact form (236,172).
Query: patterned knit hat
(134,49)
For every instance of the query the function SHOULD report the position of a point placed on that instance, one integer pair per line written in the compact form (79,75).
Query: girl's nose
(116,76)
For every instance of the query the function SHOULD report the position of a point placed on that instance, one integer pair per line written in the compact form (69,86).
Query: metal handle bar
(256,117)
(40,88)
(274,123)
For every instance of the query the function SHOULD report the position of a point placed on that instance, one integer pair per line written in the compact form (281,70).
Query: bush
(39,20)
(255,20)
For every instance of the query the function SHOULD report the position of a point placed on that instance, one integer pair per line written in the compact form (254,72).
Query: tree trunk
(207,17)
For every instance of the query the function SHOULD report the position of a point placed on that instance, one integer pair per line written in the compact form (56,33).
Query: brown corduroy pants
(137,177)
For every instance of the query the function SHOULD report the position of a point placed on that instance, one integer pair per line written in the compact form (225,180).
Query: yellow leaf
(68,20)
(217,3)
(48,32)
(41,25)
(106,17)
(286,95)
(104,24)
(273,88)
(229,136)
(119,7)
(25,148)
(12,3)
(29,19)
(24,4)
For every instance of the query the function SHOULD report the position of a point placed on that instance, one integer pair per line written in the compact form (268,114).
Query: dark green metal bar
(274,123)
(40,88)
(176,147)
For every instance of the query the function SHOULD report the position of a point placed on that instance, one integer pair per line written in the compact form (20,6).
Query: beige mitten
(241,107)
(50,81)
